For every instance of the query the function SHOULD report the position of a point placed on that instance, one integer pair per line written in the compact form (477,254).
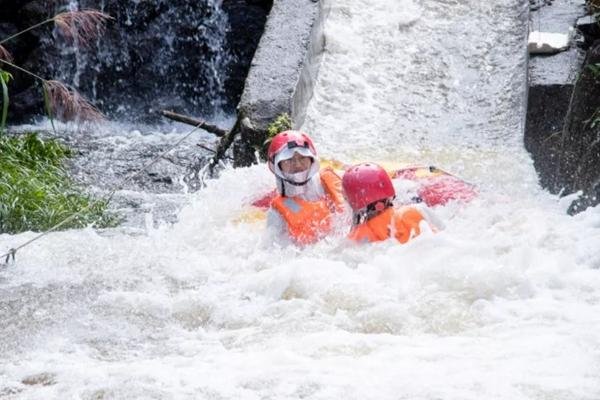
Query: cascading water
(502,303)
(186,56)
(154,55)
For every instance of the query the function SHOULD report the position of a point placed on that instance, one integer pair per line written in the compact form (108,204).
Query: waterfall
(502,303)
(153,56)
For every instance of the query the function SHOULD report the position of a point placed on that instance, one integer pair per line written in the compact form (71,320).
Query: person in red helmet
(307,197)
(370,192)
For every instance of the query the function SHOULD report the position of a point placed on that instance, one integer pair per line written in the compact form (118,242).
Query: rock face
(282,74)
(102,163)
(551,83)
(188,55)
(563,116)
(16,16)
(579,161)
(246,20)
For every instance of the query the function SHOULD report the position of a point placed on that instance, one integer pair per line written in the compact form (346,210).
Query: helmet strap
(296,183)
(282,184)
(302,183)
(372,210)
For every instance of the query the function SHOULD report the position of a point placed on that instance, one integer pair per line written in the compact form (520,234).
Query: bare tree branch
(194,122)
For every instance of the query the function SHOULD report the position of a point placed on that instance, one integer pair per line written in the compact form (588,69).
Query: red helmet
(365,184)
(289,140)
(284,145)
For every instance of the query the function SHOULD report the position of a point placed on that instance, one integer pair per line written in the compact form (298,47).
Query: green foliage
(5,77)
(594,69)
(594,120)
(282,123)
(48,107)
(36,192)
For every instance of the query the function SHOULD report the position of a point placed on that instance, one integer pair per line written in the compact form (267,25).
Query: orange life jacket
(402,223)
(309,221)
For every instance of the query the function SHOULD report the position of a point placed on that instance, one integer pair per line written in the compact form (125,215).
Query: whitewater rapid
(503,303)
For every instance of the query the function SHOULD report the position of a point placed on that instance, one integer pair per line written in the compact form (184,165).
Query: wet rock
(551,83)
(182,55)
(32,13)
(246,24)
(106,161)
(535,5)
(27,102)
(282,74)
(22,48)
(563,116)
(44,379)
(579,160)
(546,111)
(7,29)
(589,29)
(8,7)
(151,55)
(103,164)
(7,392)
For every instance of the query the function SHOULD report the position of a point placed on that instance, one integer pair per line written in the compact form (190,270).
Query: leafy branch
(281,123)
(594,69)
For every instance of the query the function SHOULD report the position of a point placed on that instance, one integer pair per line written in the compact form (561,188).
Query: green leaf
(283,122)
(36,191)
(594,69)
(48,107)
(4,78)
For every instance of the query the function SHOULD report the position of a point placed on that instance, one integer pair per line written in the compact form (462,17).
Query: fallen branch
(224,145)
(211,150)
(194,122)
(205,147)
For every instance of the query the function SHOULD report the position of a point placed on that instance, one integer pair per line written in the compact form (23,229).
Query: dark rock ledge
(563,116)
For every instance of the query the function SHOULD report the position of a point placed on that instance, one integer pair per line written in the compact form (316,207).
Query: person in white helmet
(307,198)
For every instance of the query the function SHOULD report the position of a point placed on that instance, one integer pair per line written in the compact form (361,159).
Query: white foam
(503,303)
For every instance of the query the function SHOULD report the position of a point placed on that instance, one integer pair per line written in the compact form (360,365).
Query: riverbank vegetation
(36,192)
(594,68)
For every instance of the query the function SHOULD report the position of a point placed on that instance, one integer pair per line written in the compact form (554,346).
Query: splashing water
(155,55)
(503,303)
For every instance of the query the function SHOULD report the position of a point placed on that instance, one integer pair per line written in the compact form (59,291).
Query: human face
(298,163)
